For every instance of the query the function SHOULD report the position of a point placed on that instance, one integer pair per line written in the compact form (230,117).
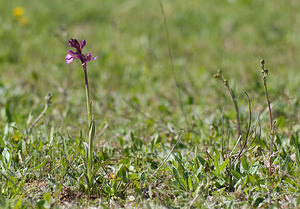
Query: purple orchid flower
(78,54)
(72,55)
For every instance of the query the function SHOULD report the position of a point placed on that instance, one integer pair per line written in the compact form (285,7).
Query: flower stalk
(265,74)
(91,124)
(87,94)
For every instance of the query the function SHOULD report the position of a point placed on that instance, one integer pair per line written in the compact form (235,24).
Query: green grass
(134,92)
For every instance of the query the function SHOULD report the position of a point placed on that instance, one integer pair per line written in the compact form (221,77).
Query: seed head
(266,72)
(217,75)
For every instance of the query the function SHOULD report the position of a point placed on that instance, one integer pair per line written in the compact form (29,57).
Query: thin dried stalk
(48,102)
(234,100)
(265,74)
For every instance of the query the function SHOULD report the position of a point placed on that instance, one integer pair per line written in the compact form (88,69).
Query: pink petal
(69,58)
(82,44)
(73,43)
(89,57)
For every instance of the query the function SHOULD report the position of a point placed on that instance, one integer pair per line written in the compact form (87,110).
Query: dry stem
(265,73)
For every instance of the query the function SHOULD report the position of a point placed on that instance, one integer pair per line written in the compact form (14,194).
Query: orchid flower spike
(78,53)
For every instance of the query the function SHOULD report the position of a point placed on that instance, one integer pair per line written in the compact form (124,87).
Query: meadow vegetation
(167,132)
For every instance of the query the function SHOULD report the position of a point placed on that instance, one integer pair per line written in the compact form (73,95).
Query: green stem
(90,124)
(87,93)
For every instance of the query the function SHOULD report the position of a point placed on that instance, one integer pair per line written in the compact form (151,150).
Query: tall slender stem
(172,66)
(87,94)
(265,72)
(238,124)
(219,76)
(90,121)
(271,126)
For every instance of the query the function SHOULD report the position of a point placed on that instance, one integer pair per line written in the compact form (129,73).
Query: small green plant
(242,142)
(91,123)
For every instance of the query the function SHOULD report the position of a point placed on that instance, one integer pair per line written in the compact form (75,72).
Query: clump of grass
(219,76)
(264,72)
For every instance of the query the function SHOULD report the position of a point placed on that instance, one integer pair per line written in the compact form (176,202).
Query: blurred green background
(133,64)
(145,101)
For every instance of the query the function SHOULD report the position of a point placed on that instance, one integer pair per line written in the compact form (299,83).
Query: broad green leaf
(219,191)
(236,174)
(202,161)
(254,168)
(190,184)
(41,165)
(42,204)
(216,164)
(176,174)
(258,201)
(6,155)
(92,133)
(297,148)
(18,204)
(224,164)
(47,197)
(245,163)
(245,181)
(178,178)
